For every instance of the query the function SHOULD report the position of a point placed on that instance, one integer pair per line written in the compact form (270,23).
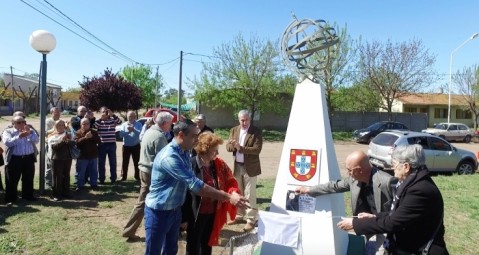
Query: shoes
(80,189)
(102,182)
(249,226)
(56,199)
(94,187)
(9,204)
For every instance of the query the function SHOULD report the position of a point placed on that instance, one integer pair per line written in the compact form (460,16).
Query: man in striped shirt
(106,130)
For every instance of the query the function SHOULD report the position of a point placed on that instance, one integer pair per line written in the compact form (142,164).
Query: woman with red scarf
(206,217)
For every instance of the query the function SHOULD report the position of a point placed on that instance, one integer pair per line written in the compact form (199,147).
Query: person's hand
(302,190)
(130,128)
(366,215)
(238,200)
(235,144)
(346,224)
(89,135)
(25,132)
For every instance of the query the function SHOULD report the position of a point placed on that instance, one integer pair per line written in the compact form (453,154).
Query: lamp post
(450,74)
(43,42)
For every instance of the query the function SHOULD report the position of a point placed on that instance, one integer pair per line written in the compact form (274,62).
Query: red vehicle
(149,113)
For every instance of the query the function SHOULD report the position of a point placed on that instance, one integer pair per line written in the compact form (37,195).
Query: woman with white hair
(415,222)
(59,142)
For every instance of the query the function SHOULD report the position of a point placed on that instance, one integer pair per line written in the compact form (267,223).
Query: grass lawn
(92,222)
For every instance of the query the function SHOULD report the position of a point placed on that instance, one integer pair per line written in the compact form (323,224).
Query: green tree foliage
(395,69)
(359,97)
(243,74)
(110,90)
(468,83)
(171,96)
(335,62)
(149,83)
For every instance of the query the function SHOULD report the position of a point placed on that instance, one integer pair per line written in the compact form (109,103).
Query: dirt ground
(270,157)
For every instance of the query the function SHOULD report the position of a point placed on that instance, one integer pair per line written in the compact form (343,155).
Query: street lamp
(450,74)
(43,42)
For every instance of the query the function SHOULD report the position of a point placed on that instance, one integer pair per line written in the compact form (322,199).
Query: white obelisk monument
(308,159)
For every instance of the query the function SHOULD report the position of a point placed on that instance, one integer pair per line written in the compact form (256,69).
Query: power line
(115,53)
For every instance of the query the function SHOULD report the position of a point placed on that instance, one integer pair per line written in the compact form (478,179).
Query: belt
(239,163)
(22,156)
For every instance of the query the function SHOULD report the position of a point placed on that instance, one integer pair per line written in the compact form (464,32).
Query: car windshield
(375,126)
(441,126)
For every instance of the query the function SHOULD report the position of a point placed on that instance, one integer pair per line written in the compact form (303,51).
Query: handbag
(74,151)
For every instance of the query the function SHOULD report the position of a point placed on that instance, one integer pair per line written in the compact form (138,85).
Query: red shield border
(292,162)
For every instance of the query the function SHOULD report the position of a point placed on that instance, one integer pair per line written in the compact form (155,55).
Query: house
(26,93)
(435,105)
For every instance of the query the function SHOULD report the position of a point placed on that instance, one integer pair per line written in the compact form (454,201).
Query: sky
(154,32)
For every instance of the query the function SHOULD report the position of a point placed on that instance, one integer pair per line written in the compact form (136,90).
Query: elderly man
(171,176)
(20,159)
(153,141)
(246,142)
(106,130)
(130,132)
(370,188)
(201,124)
(50,122)
(75,121)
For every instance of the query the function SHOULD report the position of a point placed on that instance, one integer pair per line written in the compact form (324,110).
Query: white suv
(441,156)
(451,132)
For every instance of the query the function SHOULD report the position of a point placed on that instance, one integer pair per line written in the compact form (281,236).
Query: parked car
(452,132)
(149,113)
(365,135)
(441,156)
(117,129)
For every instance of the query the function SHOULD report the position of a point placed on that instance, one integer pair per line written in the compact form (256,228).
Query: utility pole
(179,90)
(13,92)
(156,90)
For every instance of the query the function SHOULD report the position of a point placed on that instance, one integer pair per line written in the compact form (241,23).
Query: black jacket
(417,214)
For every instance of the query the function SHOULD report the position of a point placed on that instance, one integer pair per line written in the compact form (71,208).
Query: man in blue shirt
(130,132)
(171,176)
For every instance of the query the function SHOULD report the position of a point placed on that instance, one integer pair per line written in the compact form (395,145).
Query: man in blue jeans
(106,130)
(171,176)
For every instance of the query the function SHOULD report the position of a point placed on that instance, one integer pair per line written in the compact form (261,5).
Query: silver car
(451,132)
(441,156)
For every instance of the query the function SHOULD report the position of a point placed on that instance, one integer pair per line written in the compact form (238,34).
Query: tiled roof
(432,99)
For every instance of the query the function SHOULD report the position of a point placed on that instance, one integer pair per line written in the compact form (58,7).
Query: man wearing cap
(201,124)
(200,121)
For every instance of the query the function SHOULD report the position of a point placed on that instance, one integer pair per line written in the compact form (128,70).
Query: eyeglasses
(20,122)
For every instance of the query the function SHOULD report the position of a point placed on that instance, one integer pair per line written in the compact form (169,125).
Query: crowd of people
(184,185)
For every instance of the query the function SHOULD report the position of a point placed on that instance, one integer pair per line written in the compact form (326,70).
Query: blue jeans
(90,167)
(110,150)
(162,229)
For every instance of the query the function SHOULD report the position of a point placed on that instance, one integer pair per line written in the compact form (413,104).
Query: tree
(171,96)
(358,97)
(110,90)
(395,70)
(468,84)
(32,76)
(243,74)
(335,62)
(27,97)
(149,84)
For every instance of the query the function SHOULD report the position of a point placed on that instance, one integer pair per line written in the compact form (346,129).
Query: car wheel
(465,167)
(467,139)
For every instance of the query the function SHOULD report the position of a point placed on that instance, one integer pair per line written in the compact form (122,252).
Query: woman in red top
(205,216)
